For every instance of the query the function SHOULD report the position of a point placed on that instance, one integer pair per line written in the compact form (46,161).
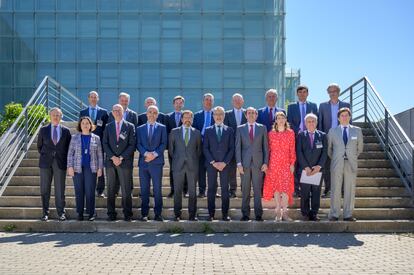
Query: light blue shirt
(58,129)
(153,129)
(334,114)
(207,114)
(96,112)
(302,116)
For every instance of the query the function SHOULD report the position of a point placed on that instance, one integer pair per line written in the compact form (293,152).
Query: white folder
(314,180)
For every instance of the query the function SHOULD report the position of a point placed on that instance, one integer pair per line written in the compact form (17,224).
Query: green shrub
(11,112)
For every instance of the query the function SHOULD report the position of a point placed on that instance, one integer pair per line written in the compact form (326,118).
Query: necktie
(251,135)
(118,131)
(93,114)
(345,136)
(177,118)
(55,135)
(186,136)
(151,129)
(311,139)
(271,116)
(219,133)
(302,117)
(238,119)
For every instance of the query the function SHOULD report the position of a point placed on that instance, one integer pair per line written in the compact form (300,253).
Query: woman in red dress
(279,179)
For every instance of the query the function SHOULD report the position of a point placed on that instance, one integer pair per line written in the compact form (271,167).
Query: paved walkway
(153,253)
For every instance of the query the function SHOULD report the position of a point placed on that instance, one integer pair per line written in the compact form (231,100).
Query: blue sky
(343,40)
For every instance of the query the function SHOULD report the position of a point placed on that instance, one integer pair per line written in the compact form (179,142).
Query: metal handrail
(394,140)
(15,143)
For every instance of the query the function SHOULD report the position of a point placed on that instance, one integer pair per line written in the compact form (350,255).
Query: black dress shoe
(44,218)
(128,218)
(177,218)
(305,218)
(193,219)
(100,195)
(259,218)
(314,218)
(218,195)
(210,218)
(350,219)
(201,195)
(111,218)
(326,194)
(244,219)
(185,195)
(62,218)
(226,218)
(91,218)
(171,194)
(144,218)
(333,219)
(80,217)
(232,195)
(159,218)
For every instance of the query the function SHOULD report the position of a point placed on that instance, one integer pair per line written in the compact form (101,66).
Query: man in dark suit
(185,148)
(233,119)
(203,119)
(173,120)
(218,149)
(266,115)
(53,145)
(142,118)
(99,117)
(119,146)
(327,120)
(311,154)
(151,143)
(296,118)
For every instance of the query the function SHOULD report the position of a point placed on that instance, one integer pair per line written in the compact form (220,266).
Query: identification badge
(99,123)
(319,146)
(354,138)
(86,151)
(122,136)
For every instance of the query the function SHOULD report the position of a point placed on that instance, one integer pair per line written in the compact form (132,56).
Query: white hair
(218,108)
(153,107)
(334,85)
(208,95)
(237,95)
(93,93)
(118,105)
(311,115)
(56,109)
(151,98)
(271,91)
(124,94)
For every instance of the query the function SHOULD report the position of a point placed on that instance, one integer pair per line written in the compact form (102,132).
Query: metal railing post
(386,131)
(365,100)
(412,172)
(26,132)
(47,95)
(351,98)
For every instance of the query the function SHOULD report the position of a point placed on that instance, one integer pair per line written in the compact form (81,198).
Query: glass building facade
(292,81)
(157,48)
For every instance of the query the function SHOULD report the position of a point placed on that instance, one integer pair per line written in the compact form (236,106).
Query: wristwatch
(212,162)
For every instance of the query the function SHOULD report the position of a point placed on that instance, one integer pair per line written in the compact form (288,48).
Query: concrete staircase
(382,204)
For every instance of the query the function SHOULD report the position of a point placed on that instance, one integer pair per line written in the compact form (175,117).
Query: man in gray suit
(345,143)
(185,149)
(252,157)
(327,120)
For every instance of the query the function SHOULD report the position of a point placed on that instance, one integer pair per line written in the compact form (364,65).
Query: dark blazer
(48,151)
(131,117)
(101,117)
(142,118)
(293,114)
(198,121)
(222,151)
(170,122)
(184,155)
(158,144)
(325,118)
(307,156)
(263,117)
(122,147)
(230,119)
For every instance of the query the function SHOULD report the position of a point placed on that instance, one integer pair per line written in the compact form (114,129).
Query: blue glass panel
(129,75)
(256,5)
(191,26)
(271,25)
(108,25)
(212,5)
(233,5)
(45,49)
(212,50)
(144,93)
(129,25)
(87,49)
(87,25)
(253,50)
(6,49)
(150,25)
(46,5)
(27,5)
(212,76)
(232,26)
(108,49)
(24,74)
(66,50)
(24,24)
(150,50)
(254,97)
(171,51)
(253,76)
(191,50)
(193,99)
(66,24)
(44,69)
(253,26)
(233,50)
(171,76)
(108,75)
(66,74)
(45,24)
(6,76)
(129,50)
(171,26)
(87,5)
(6,5)
(129,5)
(166,98)
(23,49)
(108,5)
(192,76)
(232,76)
(270,76)
(270,50)
(212,26)
(190,5)
(171,5)
(150,76)
(65,5)
(6,24)
(87,75)
(153,5)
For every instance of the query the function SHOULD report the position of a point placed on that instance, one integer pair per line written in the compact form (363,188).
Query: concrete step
(235,214)
(360,202)
(235,226)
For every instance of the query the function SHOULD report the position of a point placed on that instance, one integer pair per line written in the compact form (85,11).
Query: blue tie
(150,133)
(345,136)
(93,114)
(302,116)
(207,122)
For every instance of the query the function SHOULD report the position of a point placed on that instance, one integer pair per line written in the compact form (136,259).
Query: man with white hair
(128,115)
(142,118)
(266,115)
(234,118)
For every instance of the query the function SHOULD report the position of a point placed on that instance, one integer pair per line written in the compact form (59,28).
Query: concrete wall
(406,120)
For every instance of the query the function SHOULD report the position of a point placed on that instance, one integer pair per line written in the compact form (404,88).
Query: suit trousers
(202,174)
(181,177)
(297,175)
(212,174)
(310,199)
(59,177)
(233,176)
(327,175)
(346,177)
(154,173)
(100,186)
(185,186)
(119,176)
(252,176)
(85,183)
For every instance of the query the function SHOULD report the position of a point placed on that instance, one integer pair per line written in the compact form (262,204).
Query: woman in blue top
(85,164)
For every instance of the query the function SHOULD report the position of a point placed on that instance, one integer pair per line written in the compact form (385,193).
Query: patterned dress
(282,155)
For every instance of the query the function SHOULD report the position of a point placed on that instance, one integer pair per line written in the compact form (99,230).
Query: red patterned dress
(282,155)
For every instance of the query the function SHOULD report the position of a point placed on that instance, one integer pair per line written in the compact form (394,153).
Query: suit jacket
(222,151)
(170,122)
(124,147)
(184,155)
(49,151)
(325,118)
(102,118)
(230,119)
(337,149)
(131,117)
(198,122)
(75,153)
(142,118)
(157,144)
(252,154)
(263,117)
(308,156)
(293,114)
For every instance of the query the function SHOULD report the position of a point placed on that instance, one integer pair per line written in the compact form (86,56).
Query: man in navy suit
(327,120)
(142,118)
(99,117)
(311,154)
(266,115)
(53,145)
(218,149)
(203,119)
(151,143)
(296,118)
(173,120)
(234,118)
(119,145)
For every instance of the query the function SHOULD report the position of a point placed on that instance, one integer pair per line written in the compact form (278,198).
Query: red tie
(271,115)
(251,133)
(311,139)
(118,130)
